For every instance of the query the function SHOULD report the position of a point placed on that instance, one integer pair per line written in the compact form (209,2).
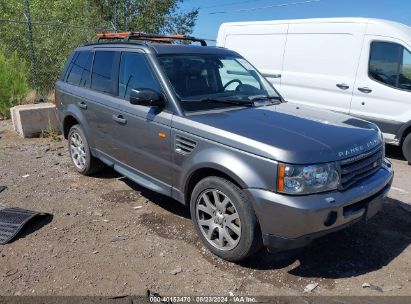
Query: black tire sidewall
(406,148)
(249,226)
(79,130)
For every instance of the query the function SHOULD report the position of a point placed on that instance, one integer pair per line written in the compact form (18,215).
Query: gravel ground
(108,236)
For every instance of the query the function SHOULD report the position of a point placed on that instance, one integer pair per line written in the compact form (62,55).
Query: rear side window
(104,70)
(390,63)
(78,72)
(135,73)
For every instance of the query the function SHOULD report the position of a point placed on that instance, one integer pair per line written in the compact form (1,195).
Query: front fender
(247,170)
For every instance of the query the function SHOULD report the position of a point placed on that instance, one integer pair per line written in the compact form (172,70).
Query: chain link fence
(43,48)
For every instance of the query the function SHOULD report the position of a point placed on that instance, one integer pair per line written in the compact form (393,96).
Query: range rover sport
(202,126)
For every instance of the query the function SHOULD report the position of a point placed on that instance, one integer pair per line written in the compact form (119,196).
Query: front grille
(359,167)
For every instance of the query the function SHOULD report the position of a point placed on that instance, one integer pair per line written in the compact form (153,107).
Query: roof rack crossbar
(127,36)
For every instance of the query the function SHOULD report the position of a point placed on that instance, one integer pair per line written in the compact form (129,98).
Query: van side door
(320,64)
(382,92)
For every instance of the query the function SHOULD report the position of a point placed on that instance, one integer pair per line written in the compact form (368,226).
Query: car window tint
(102,75)
(404,79)
(135,73)
(79,69)
(384,62)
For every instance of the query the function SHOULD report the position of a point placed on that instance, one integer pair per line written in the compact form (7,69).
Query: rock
(95,252)
(373,287)
(137,207)
(97,213)
(310,287)
(176,271)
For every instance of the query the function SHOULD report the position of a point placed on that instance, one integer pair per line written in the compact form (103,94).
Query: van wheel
(80,153)
(406,148)
(224,219)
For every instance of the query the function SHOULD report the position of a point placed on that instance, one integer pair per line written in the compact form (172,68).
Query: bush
(13,82)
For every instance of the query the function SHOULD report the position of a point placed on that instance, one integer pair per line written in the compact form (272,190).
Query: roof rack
(127,36)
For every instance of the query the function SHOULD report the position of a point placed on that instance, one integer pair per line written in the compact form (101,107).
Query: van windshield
(209,81)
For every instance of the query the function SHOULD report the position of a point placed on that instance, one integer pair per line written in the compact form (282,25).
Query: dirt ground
(99,242)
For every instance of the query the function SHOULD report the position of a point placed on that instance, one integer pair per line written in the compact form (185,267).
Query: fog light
(330,219)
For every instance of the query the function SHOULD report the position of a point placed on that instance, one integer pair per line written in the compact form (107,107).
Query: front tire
(224,219)
(406,148)
(80,153)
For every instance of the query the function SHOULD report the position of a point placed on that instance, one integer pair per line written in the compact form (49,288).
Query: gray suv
(202,126)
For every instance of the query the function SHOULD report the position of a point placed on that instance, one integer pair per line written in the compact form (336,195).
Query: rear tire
(406,148)
(224,219)
(80,153)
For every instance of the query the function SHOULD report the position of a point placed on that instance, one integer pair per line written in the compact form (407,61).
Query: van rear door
(261,44)
(320,64)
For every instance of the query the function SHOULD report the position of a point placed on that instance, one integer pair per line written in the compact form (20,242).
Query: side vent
(184,145)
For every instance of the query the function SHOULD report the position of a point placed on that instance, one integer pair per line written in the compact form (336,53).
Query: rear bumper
(289,222)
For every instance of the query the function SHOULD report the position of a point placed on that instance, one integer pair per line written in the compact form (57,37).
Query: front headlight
(307,179)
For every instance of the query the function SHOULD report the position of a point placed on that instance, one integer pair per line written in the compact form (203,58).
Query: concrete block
(30,120)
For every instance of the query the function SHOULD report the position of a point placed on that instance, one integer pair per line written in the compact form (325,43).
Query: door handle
(343,86)
(268,75)
(82,105)
(365,90)
(119,118)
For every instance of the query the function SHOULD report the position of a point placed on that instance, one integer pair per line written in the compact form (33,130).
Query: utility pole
(31,46)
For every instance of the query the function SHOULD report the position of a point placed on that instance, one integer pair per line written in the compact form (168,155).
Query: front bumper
(289,222)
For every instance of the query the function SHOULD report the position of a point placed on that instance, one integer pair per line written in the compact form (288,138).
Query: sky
(211,14)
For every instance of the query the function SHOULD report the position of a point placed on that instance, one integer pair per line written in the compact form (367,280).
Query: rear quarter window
(78,72)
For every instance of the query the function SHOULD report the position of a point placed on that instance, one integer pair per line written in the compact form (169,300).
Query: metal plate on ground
(12,220)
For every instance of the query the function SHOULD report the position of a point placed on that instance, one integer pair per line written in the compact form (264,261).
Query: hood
(288,133)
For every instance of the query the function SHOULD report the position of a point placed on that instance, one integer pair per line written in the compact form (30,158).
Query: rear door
(320,64)
(262,45)
(100,104)
(382,91)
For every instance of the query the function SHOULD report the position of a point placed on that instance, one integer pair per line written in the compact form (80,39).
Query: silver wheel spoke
(232,217)
(205,209)
(221,234)
(210,232)
(229,239)
(207,223)
(234,228)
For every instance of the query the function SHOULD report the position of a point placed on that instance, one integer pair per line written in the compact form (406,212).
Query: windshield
(209,81)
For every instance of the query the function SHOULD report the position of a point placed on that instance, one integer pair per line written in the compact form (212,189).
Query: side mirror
(146,97)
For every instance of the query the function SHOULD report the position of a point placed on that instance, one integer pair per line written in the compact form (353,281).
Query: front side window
(102,77)
(390,63)
(207,81)
(135,73)
(78,72)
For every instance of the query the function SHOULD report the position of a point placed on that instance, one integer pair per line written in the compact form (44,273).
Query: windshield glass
(209,81)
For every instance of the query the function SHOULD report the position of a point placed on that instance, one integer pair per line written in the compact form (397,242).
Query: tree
(59,26)
(150,16)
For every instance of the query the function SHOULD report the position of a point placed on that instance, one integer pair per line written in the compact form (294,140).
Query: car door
(320,64)
(143,133)
(382,91)
(98,104)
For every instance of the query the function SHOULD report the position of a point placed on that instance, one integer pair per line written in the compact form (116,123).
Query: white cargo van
(352,65)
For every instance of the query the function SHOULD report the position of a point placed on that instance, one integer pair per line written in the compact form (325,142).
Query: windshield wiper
(266,97)
(246,103)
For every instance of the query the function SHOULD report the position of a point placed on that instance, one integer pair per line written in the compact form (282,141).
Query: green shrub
(13,82)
